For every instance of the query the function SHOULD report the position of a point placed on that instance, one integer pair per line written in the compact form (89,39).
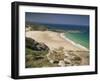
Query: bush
(37,27)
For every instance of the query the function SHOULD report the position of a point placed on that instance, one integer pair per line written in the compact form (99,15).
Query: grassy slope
(36,59)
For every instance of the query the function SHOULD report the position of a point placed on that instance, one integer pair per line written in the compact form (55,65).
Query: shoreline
(75,44)
(55,40)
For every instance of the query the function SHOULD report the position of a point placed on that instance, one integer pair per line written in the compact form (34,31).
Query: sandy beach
(55,40)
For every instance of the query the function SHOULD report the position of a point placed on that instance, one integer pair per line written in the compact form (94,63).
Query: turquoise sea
(81,38)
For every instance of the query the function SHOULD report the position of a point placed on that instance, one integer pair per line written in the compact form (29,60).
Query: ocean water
(81,37)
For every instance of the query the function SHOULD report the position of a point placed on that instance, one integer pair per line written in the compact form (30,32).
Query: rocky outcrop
(34,45)
(60,57)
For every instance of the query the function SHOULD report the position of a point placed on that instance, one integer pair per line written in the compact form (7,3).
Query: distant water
(67,27)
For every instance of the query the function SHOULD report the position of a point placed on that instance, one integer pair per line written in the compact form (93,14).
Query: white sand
(55,40)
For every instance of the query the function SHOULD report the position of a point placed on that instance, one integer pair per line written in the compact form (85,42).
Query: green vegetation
(41,27)
(36,54)
(36,27)
(36,59)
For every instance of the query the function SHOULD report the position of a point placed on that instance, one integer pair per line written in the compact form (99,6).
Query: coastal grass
(36,59)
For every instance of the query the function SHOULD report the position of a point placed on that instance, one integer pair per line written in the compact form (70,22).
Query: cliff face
(34,45)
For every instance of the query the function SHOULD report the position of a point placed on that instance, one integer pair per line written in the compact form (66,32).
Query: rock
(41,46)
(61,63)
(66,54)
(77,58)
(56,54)
(51,61)
(31,43)
(67,61)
